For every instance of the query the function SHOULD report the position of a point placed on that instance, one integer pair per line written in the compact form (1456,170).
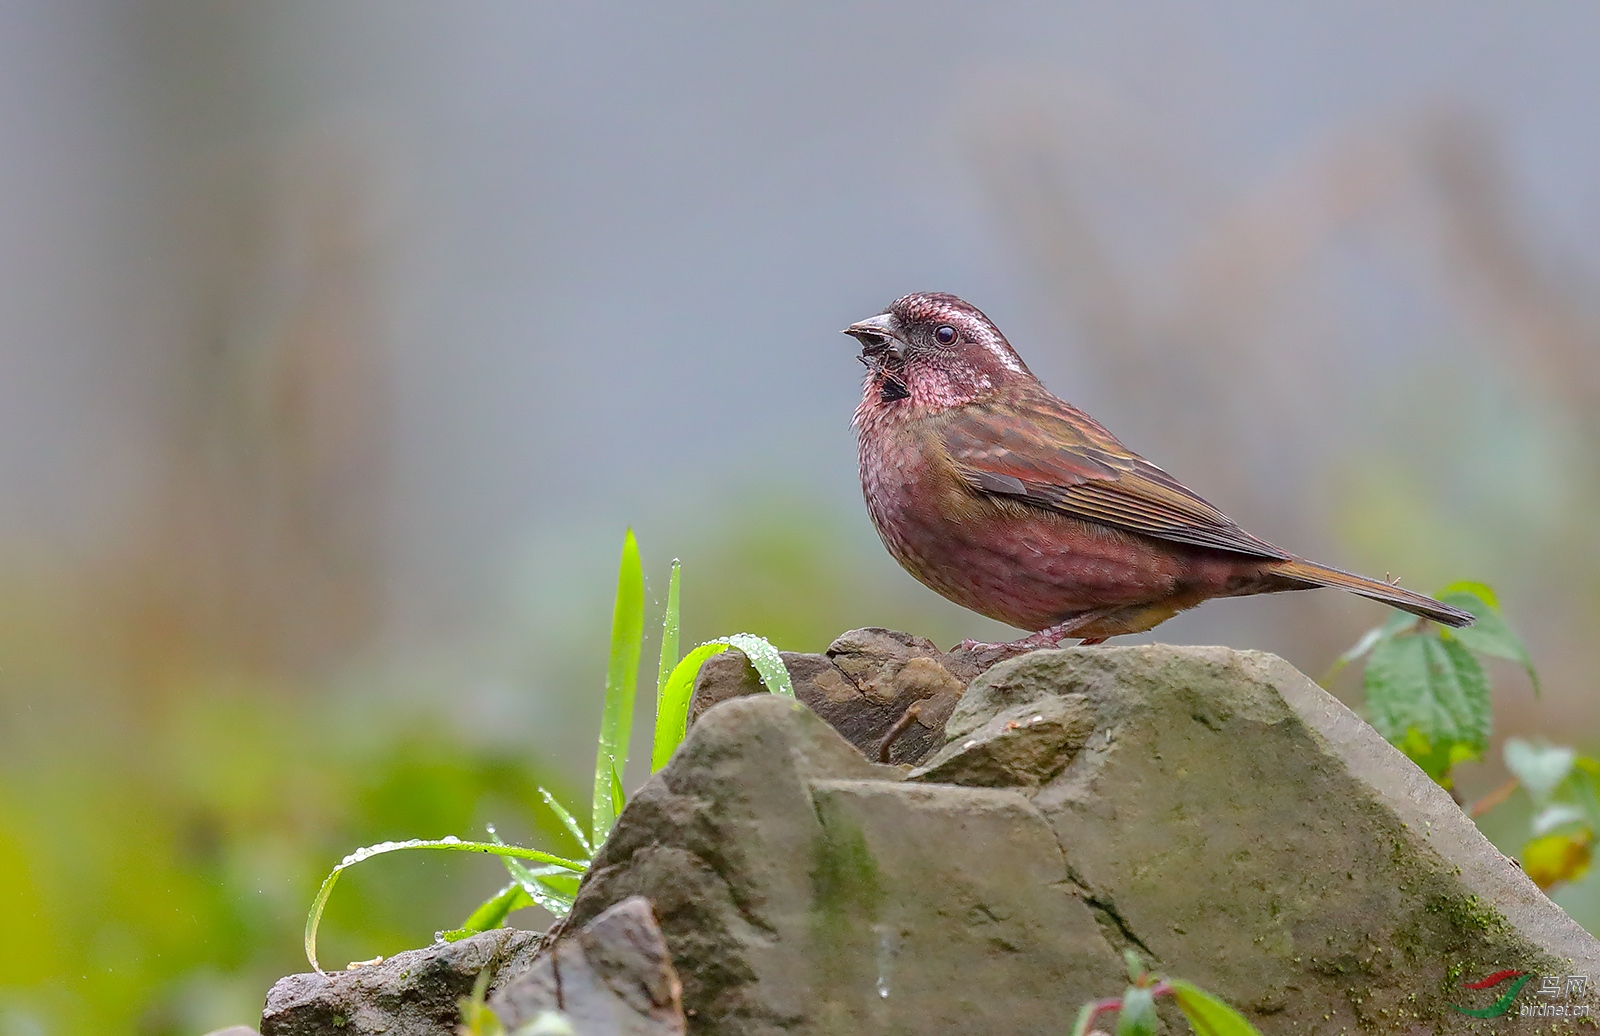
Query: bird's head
(934,350)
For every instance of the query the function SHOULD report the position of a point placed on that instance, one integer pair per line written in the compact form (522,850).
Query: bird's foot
(1045,638)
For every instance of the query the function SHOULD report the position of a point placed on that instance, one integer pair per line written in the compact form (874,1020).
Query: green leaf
(1396,622)
(1491,634)
(622,675)
(672,706)
(1135,966)
(1539,767)
(1436,760)
(619,797)
(452,844)
(554,893)
(1138,1015)
(553,888)
(1471,588)
(1432,686)
(492,912)
(568,820)
(1207,1015)
(669,632)
(765,657)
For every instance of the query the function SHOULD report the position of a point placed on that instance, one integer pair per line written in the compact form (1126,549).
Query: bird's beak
(875,334)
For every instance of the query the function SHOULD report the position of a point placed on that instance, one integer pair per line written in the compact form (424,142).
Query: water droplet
(886,950)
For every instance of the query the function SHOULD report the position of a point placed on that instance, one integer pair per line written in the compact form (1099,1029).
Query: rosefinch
(1018,505)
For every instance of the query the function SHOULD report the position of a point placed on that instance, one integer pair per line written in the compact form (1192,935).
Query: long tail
(1417,604)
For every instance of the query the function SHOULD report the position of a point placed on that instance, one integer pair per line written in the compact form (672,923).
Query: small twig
(899,728)
(1493,799)
(1104,1007)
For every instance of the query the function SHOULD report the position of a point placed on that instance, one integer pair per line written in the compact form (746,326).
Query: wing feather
(1043,451)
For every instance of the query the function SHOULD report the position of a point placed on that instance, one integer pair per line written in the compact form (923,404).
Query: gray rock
(1244,829)
(802,889)
(416,993)
(1213,810)
(1023,746)
(612,978)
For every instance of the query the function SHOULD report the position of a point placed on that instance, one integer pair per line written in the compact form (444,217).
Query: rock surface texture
(888,693)
(1214,810)
(614,978)
(415,993)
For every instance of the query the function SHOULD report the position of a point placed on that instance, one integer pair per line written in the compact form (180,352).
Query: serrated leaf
(622,674)
(1471,588)
(1491,634)
(1555,859)
(1539,767)
(1207,1015)
(1435,760)
(1138,1014)
(1369,640)
(1433,686)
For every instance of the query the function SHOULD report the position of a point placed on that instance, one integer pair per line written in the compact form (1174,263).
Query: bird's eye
(944,334)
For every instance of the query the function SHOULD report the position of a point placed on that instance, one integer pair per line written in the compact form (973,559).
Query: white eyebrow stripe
(1003,354)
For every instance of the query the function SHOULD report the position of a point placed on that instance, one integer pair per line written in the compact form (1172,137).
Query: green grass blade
(622,675)
(672,706)
(367,852)
(535,881)
(571,822)
(669,632)
(492,912)
(765,657)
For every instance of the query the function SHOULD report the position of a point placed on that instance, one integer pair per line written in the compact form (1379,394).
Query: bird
(1012,502)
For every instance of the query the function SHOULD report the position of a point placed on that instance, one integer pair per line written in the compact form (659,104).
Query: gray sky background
(618,241)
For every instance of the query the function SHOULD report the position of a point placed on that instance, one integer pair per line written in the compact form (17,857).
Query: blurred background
(340,341)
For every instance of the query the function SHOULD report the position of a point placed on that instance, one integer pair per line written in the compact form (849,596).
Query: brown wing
(1043,451)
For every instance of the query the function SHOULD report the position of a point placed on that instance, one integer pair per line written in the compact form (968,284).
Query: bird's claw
(1046,638)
